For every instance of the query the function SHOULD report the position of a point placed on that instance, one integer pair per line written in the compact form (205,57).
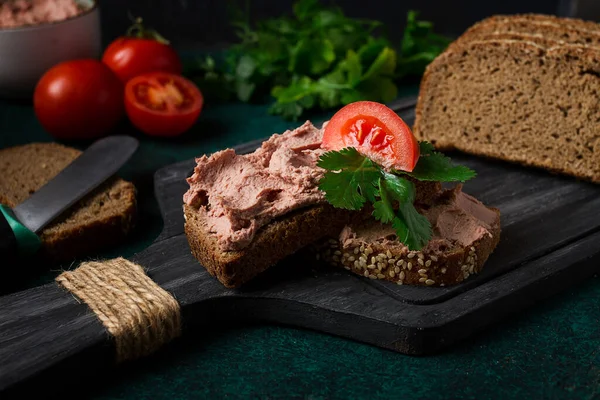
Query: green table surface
(549,351)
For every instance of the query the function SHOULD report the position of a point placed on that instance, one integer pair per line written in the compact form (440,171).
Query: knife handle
(16,240)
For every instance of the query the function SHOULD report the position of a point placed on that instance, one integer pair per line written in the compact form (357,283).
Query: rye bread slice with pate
(101,219)
(280,238)
(371,249)
(245,213)
(516,101)
(275,241)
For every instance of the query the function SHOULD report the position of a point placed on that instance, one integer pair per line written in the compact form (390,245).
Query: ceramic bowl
(27,52)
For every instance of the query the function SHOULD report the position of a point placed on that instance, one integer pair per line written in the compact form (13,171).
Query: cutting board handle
(47,327)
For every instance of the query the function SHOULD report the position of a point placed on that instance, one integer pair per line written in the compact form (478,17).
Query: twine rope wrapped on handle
(139,314)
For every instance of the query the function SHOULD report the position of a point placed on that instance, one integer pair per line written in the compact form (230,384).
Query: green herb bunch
(316,59)
(353,179)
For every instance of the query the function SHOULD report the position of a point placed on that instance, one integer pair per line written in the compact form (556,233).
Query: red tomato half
(162,104)
(129,57)
(80,99)
(375,131)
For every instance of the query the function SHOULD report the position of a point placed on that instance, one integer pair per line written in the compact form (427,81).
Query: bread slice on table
(515,100)
(372,250)
(101,219)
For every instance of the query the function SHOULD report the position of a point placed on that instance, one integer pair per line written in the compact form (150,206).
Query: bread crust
(561,31)
(541,19)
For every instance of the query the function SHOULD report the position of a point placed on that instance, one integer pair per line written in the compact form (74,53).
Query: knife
(19,226)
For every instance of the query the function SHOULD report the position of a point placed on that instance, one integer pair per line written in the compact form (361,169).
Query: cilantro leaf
(384,64)
(351,179)
(400,188)
(345,59)
(418,229)
(345,84)
(435,166)
(420,46)
(426,148)
(311,57)
(383,209)
(439,168)
(338,160)
(305,9)
(342,190)
(412,228)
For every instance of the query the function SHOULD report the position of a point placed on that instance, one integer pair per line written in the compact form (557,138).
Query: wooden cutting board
(550,241)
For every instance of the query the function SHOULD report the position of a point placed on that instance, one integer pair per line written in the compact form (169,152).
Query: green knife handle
(16,240)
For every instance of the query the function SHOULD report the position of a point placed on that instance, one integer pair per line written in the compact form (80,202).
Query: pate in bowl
(35,35)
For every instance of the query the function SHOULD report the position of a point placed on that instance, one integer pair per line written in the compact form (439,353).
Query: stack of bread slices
(521,88)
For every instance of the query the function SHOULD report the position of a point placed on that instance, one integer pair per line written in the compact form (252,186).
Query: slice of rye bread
(101,219)
(561,30)
(280,238)
(275,241)
(394,263)
(516,101)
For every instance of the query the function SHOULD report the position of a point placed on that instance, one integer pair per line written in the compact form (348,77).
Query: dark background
(204,24)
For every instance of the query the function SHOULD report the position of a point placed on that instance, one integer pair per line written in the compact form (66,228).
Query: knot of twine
(139,314)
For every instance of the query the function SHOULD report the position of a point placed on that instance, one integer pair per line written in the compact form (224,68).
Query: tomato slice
(162,104)
(376,132)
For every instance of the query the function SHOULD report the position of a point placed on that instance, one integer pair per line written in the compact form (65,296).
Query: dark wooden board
(550,241)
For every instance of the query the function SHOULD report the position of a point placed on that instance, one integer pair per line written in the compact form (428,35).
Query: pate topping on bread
(242,193)
(244,213)
(457,218)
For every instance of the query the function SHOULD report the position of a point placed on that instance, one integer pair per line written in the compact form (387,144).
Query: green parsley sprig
(353,179)
(317,58)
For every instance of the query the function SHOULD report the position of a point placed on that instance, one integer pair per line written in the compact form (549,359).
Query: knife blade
(95,165)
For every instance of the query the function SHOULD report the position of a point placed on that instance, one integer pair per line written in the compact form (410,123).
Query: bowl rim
(43,25)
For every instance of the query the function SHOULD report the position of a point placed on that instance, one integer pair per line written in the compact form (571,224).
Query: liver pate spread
(239,194)
(457,219)
(15,13)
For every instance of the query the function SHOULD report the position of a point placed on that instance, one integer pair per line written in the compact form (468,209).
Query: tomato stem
(138,30)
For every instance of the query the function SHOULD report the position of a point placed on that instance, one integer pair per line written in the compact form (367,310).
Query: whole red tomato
(141,51)
(162,104)
(79,99)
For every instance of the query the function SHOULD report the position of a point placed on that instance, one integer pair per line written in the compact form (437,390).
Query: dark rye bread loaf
(278,239)
(518,101)
(101,219)
(433,266)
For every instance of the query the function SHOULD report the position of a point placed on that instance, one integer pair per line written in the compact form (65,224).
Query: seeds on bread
(370,249)
(101,219)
